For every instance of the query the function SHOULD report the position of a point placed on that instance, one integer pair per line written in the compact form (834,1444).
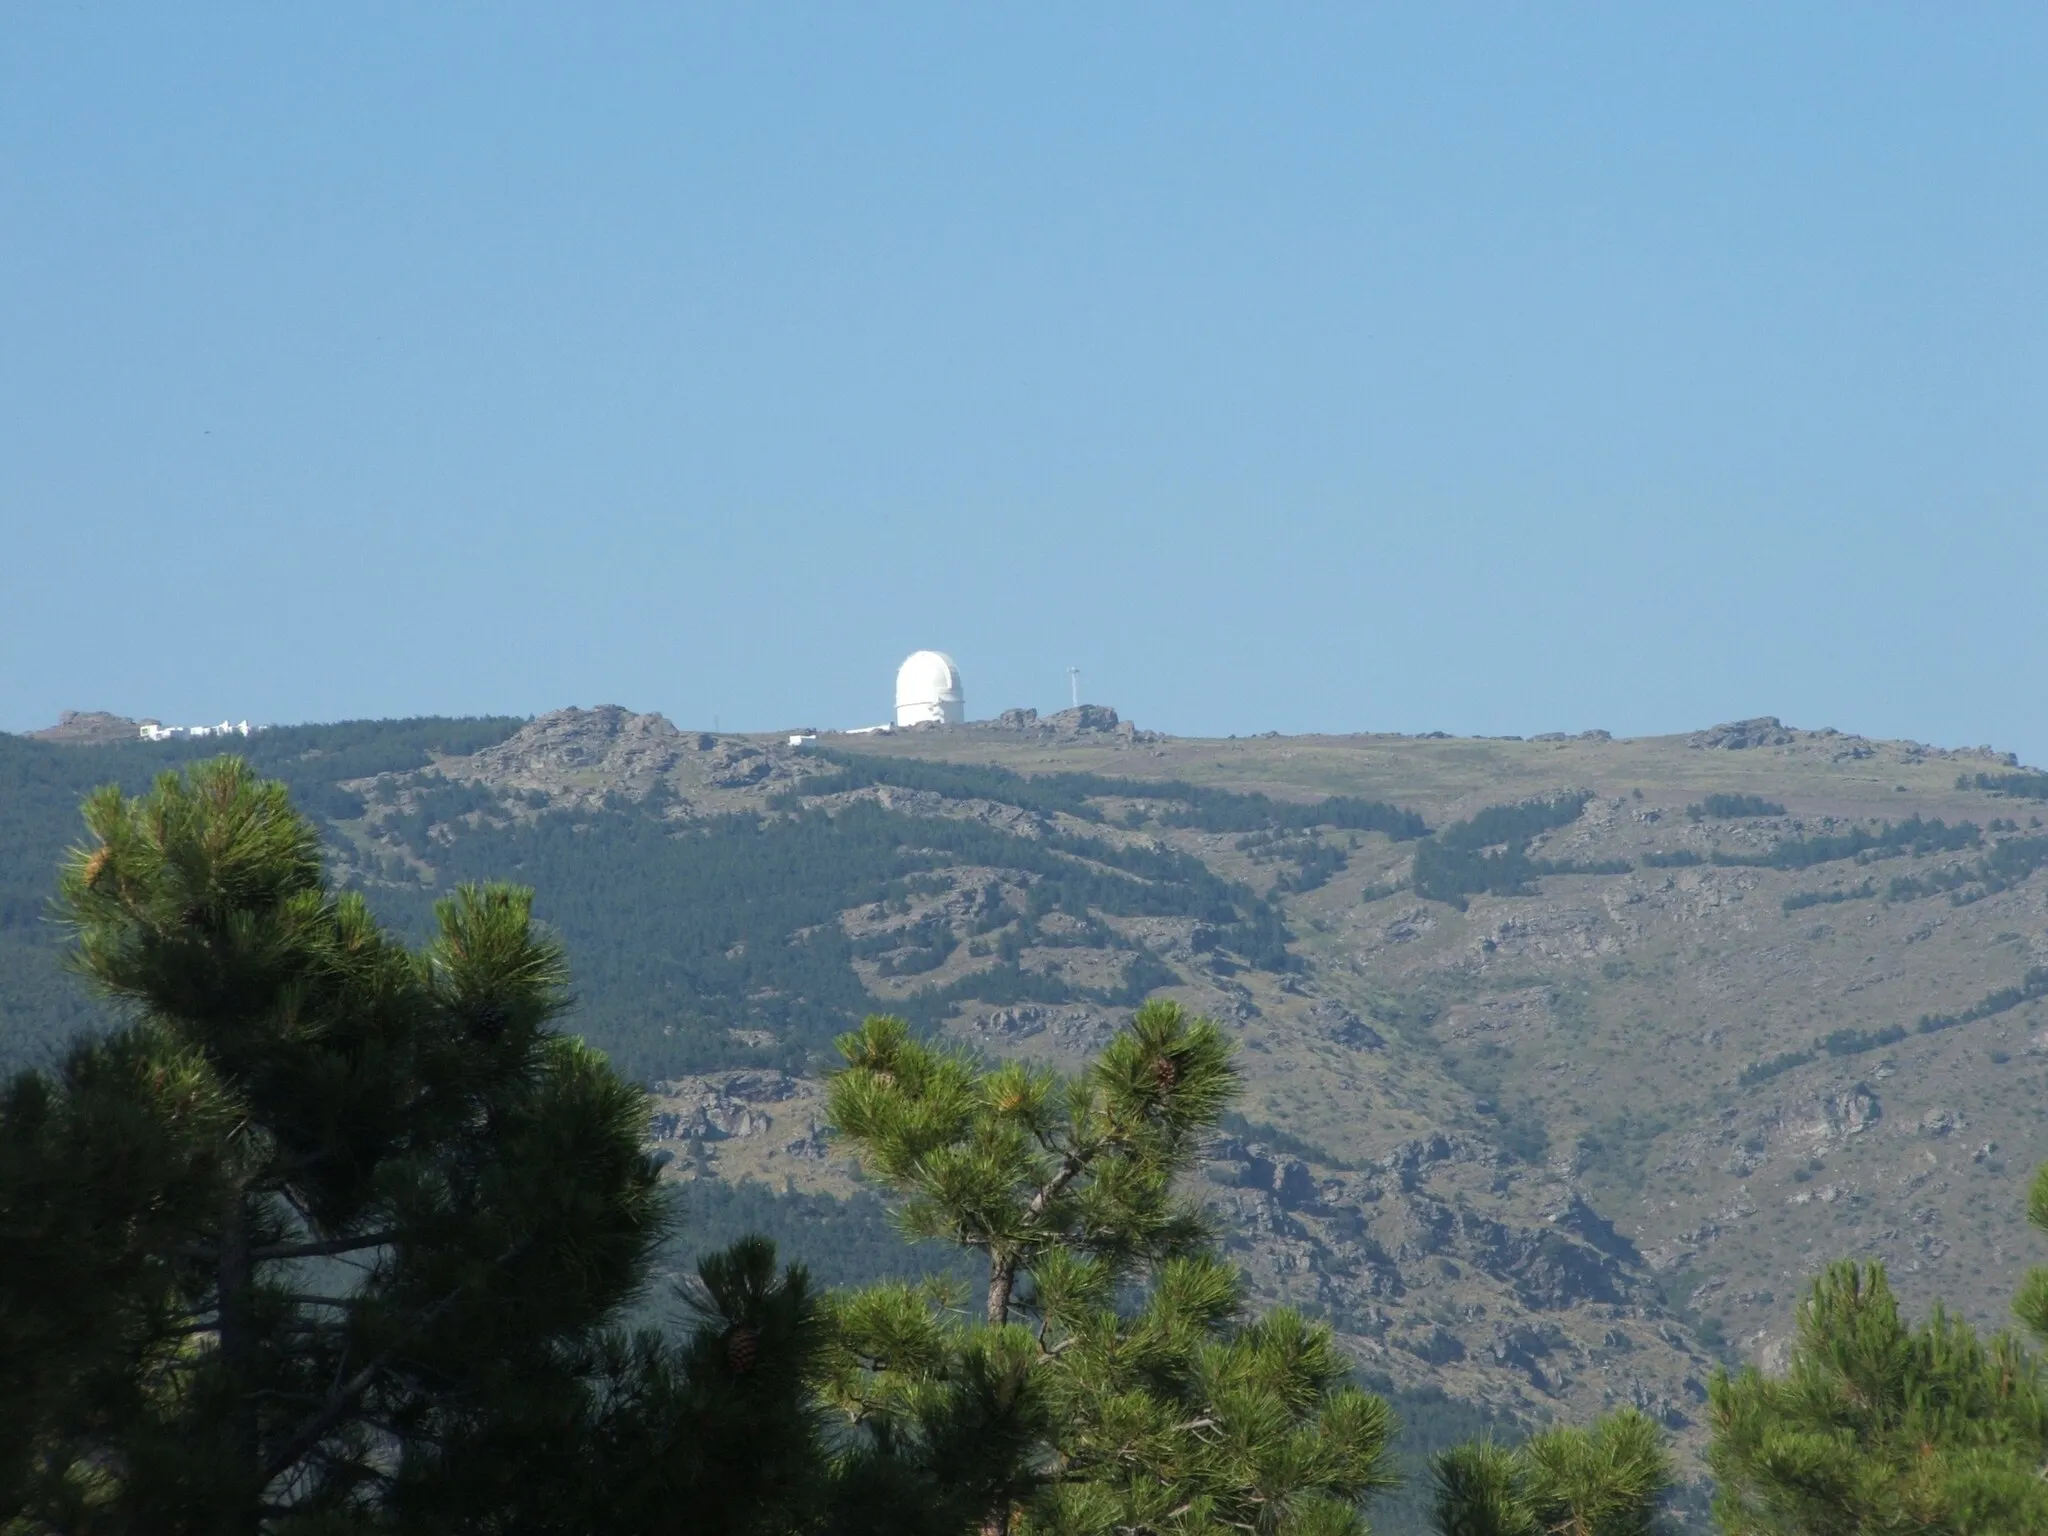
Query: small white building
(928,690)
(153,730)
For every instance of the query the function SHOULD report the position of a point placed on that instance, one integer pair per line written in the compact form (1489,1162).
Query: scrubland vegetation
(332,1230)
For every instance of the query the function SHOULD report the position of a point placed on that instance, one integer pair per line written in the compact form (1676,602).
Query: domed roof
(928,689)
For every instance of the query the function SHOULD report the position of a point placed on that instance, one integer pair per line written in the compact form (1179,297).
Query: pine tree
(1601,1480)
(1112,1381)
(1878,1427)
(330,1233)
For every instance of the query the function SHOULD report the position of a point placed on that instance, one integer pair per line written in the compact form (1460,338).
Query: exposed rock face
(1742,735)
(738,764)
(1346,1027)
(1077,1027)
(1838,746)
(1431,1276)
(89,728)
(1853,1111)
(606,749)
(720,1107)
(1581,1220)
(1018,1023)
(1565,1130)
(581,756)
(1085,717)
(714,1117)
(1083,720)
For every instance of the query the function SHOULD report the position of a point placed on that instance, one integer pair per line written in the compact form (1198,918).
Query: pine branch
(309,1434)
(1072,1167)
(338,1405)
(331,1246)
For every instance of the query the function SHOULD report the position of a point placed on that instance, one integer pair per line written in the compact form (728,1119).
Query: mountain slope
(1566,1060)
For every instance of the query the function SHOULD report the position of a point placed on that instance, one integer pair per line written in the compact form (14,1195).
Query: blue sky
(1489,369)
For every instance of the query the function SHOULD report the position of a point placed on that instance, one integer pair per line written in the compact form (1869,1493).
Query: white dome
(928,689)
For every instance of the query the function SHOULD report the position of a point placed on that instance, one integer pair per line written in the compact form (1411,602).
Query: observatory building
(928,690)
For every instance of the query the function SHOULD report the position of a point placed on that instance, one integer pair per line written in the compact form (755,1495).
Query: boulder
(1345,1027)
(1742,735)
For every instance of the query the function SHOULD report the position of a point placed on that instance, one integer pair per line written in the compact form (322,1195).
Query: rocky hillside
(1553,1108)
(1567,1060)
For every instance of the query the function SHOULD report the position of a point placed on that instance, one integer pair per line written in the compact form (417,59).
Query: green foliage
(1605,1479)
(1836,1042)
(1315,861)
(683,935)
(1854,1042)
(1220,810)
(1516,1119)
(622,920)
(1912,836)
(1879,1427)
(332,1233)
(1729,807)
(1489,852)
(1618,1146)
(2008,863)
(1015,1162)
(1125,1392)
(712,1417)
(2028,784)
(1800,901)
(844,1242)
(41,785)
(1431,1422)
(1516,823)
(2031,1304)
(1773,1066)
(1073,794)
(1279,1140)
(2034,984)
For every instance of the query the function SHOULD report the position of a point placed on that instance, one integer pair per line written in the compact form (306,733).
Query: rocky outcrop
(1743,735)
(1430,1277)
(1345,1027)
(1083,720)
(585,756)
(578,753)
(89,728)
(721,1107)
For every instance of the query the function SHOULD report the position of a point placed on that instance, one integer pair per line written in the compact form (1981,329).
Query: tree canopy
(1878,1426)
(333,1232)
(1111,1342)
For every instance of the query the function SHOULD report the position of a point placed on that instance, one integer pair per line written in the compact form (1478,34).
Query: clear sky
(1489,368)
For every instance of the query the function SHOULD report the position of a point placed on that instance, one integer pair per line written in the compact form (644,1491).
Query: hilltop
(1567,1059)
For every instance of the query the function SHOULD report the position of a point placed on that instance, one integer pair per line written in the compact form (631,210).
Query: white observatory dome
(928,689)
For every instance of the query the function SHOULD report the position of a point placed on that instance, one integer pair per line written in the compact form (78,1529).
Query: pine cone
(742,1348)
(1165,1073)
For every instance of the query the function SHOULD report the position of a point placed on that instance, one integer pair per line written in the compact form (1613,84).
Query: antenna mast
(1074,680)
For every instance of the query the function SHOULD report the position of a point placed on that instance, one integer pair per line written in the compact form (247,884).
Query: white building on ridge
(154,731)
(928,690)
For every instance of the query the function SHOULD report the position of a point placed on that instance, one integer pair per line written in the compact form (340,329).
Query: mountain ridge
(1552,1107)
